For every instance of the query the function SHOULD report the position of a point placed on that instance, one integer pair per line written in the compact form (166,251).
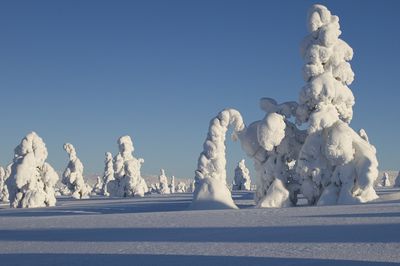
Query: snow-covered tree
(397,181)
(3,188)
(163,181)
(73,175)
(386,180)
(211,190)
(98,186)
(108,173)
(242,179)
(128,181)
(336,165)
(274,144)
(181,187)
(32,180)
(172,186)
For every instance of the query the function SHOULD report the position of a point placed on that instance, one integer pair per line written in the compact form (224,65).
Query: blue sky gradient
(87,72)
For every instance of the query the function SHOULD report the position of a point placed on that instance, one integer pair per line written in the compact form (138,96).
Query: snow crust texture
(31,182)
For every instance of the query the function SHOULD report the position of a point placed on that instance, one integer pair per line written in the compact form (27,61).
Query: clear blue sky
(87,72)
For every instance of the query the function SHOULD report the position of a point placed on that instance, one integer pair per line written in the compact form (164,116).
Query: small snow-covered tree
(397,181)
(73,175)
(181,187)
(211,190)
(192,186)
(128,181)
(172,186)
(32,180)
(108,173)
(163,181)
(336,165)
(98,186)
(242,179)
(386,180)
(3,188)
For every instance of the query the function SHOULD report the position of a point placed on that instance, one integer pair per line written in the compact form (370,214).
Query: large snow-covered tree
(128,181)
(241,179)
(108,172)
(211,190)
(336,165)
(329,163)
(32,180)
(73,175)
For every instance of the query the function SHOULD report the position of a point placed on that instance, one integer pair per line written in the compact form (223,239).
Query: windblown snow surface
(159,230)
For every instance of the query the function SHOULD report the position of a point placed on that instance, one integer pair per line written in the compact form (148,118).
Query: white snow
(159,230)
(32,180)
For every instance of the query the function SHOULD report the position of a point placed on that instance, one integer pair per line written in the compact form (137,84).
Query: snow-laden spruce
(336,165)
(73,175)
(163,183)
(397,181)
(386,180)
(181,187)
(3,188)
(128,181)
(172,186)
(32,180)
(329,163)
(108,175)
(211,190)
(274,144)
(98,186)
(241,179)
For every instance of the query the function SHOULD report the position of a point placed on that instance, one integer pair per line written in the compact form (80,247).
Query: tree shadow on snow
(356,215)
(370,233)
(104,207)
(150,259)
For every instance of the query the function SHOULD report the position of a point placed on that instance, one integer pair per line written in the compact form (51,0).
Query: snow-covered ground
(159,230)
